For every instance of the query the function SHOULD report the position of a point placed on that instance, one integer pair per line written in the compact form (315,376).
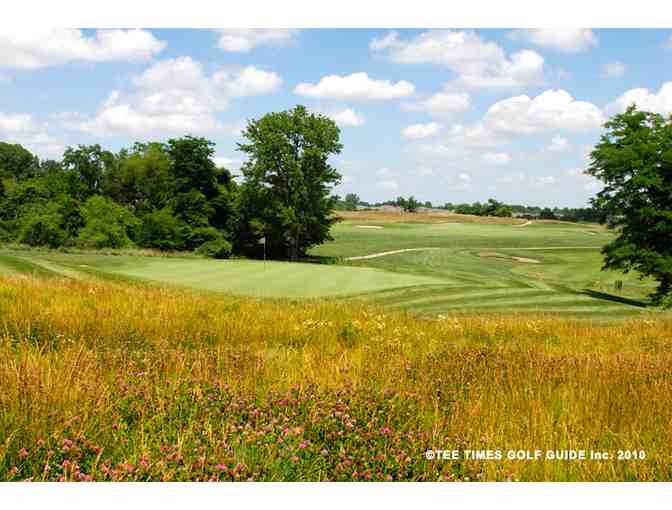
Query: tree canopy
(287,181)
(634,161)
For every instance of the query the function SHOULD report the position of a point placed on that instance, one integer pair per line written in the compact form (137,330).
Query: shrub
(218,248)
(194,237)
(107,224)
(160,229)
(42,227)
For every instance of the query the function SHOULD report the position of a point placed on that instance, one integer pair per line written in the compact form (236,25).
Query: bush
(218,248)
(42,228)
(160,229)
(107,224)
(194,237)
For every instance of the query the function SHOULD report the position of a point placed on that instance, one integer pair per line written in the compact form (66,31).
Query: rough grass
(110,381)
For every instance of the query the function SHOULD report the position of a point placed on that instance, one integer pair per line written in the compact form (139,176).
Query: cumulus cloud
(553,109)
(245,40)
(496,158)
(177,96)
(441,104)
(37,48)
(586,182)
(387,185)
(347,118)
(570,40)
(613,70)
(23,129)
(660,102)
(355,86)
(477,62)
(421,130)
(558,144)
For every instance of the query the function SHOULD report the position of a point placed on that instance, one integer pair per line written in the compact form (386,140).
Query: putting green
(272,279)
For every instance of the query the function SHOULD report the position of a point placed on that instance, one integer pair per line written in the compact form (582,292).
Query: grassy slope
(248,277)
(473,269)
(478,272)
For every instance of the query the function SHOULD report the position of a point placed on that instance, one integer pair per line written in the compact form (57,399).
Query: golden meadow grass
(107,381)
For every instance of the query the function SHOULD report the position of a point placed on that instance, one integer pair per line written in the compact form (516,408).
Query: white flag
(262,240)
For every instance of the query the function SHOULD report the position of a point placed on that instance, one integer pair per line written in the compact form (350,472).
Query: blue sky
(447,115)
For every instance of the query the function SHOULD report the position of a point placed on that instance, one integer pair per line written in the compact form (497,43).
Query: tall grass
(107,381)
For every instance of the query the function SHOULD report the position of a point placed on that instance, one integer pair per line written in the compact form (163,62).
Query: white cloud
(421,130)
(385,172)
(477,62)
(347,117)
(36,48)
(660,102)
(460,182)
(553,109)
(355,86)
(229,163)
(176,96)
(245,40)
(23,129)
(441,103)
(558,144)
(388,185)
(613,70)
(587,182)
(16,123)
(496,158)
(571,40)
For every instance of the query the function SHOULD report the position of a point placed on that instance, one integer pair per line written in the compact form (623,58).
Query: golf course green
(427,268)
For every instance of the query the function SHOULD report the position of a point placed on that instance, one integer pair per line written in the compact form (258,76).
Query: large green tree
(634,161)
(17,162)
(91,165)
(287,181)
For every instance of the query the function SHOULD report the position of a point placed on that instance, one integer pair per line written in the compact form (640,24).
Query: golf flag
(262,240)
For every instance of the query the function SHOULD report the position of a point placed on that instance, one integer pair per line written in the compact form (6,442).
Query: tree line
(172,196)
(492,207)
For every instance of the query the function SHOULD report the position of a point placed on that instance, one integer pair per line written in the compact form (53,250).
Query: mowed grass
(547,267)
(461,264)
(245,277)
(111,381)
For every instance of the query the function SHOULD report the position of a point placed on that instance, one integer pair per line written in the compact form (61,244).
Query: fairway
(430,268)
(247,277)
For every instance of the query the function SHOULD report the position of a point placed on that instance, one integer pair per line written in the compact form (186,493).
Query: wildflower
(385,430)
(303,445)
(23,453)
(294,458)
(221,467)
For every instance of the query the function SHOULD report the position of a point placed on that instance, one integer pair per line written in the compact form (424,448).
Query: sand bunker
(368,226)
(497,255)
(526,260)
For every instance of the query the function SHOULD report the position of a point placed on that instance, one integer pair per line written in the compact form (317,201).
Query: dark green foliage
(90,164)
(218,248)
(409,204)
(143,179)
(351,201)
(41,226)
(160,229)
(17,162)
(288,180)
(193,167)
(107,224)
(634,161)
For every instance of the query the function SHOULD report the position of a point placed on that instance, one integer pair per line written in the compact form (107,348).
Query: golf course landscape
(428,264)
